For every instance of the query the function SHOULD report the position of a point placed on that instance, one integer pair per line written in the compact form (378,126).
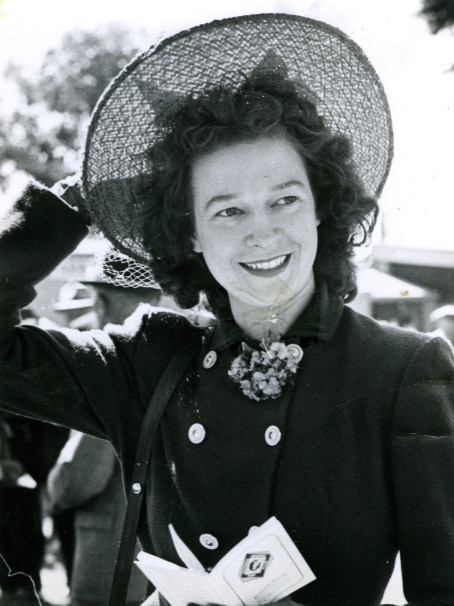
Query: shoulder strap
(167,384)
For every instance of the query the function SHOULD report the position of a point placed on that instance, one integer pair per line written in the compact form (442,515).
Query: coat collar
(317,322)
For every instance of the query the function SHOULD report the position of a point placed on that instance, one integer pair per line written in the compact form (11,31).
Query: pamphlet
(264,567)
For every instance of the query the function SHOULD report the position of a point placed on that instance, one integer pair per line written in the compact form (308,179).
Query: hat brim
(125,286)
(446,311)
(350,98)
(73,304)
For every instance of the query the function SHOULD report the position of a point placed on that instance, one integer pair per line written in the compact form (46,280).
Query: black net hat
(348,93)
(117,269)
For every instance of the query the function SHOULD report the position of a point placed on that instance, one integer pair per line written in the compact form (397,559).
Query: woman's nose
(261,230)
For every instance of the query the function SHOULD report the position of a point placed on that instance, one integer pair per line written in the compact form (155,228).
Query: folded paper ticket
(264,567)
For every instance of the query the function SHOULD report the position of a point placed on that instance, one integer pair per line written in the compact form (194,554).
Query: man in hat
(75,305)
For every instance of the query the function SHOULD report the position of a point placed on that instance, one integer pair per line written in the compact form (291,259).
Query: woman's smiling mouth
(267,268)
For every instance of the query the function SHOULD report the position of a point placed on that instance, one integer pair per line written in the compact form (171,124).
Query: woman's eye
(229,212)
(286,201)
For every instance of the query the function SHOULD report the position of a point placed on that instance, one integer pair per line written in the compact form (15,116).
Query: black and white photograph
(226,303)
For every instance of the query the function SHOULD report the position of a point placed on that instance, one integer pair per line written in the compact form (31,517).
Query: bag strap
(5,435)
(167,384)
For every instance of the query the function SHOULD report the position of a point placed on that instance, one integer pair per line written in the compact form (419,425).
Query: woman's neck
(272,321)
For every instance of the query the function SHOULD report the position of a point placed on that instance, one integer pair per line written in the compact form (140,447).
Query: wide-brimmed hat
(348,92)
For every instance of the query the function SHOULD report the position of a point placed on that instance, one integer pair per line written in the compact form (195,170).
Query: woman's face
(255,221)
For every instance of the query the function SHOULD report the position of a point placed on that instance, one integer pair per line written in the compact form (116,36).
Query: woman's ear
(196,244)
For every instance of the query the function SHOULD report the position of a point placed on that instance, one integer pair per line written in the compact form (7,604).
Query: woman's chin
(272,296)
(255,301)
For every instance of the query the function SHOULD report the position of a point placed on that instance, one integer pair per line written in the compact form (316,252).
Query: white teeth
(268,264)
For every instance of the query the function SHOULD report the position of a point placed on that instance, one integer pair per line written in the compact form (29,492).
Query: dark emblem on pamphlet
(255,565)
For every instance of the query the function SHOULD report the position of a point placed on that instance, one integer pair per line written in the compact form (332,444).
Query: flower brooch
(262,374)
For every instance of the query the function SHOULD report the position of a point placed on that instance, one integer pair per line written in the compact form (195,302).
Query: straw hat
(347,89)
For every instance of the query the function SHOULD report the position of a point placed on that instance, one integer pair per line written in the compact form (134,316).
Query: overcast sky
(419,198)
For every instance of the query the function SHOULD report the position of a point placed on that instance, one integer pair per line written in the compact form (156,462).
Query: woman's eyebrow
(228,197)
(288,184)
(220,198)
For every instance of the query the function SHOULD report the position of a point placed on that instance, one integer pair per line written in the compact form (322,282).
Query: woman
(208,159)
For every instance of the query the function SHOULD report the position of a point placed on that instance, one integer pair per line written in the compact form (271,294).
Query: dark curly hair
(269,107)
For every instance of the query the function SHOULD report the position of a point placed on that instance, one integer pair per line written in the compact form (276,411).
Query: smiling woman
(241,161)
(259,241)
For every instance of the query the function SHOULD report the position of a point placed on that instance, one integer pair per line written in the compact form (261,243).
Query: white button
(136,488)
(210,359)
(209,541)
(295,351)
(197,433)
(272,435)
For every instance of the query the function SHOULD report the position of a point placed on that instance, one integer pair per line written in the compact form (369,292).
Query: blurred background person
(75,308)
(21,536)
(87,480)
(87,476)
(28,449)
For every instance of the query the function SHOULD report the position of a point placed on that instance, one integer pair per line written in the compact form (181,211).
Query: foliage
(439,14)
(42,131)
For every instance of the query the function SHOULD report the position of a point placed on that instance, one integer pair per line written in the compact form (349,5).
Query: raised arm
(36,234)
(58,376)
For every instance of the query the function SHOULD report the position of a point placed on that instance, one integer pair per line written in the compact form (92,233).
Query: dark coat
(364,459)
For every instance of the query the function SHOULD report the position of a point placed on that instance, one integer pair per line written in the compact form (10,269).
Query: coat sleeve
(83,471)
(56,376)
(423,468)
(36,234)
(98,382)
